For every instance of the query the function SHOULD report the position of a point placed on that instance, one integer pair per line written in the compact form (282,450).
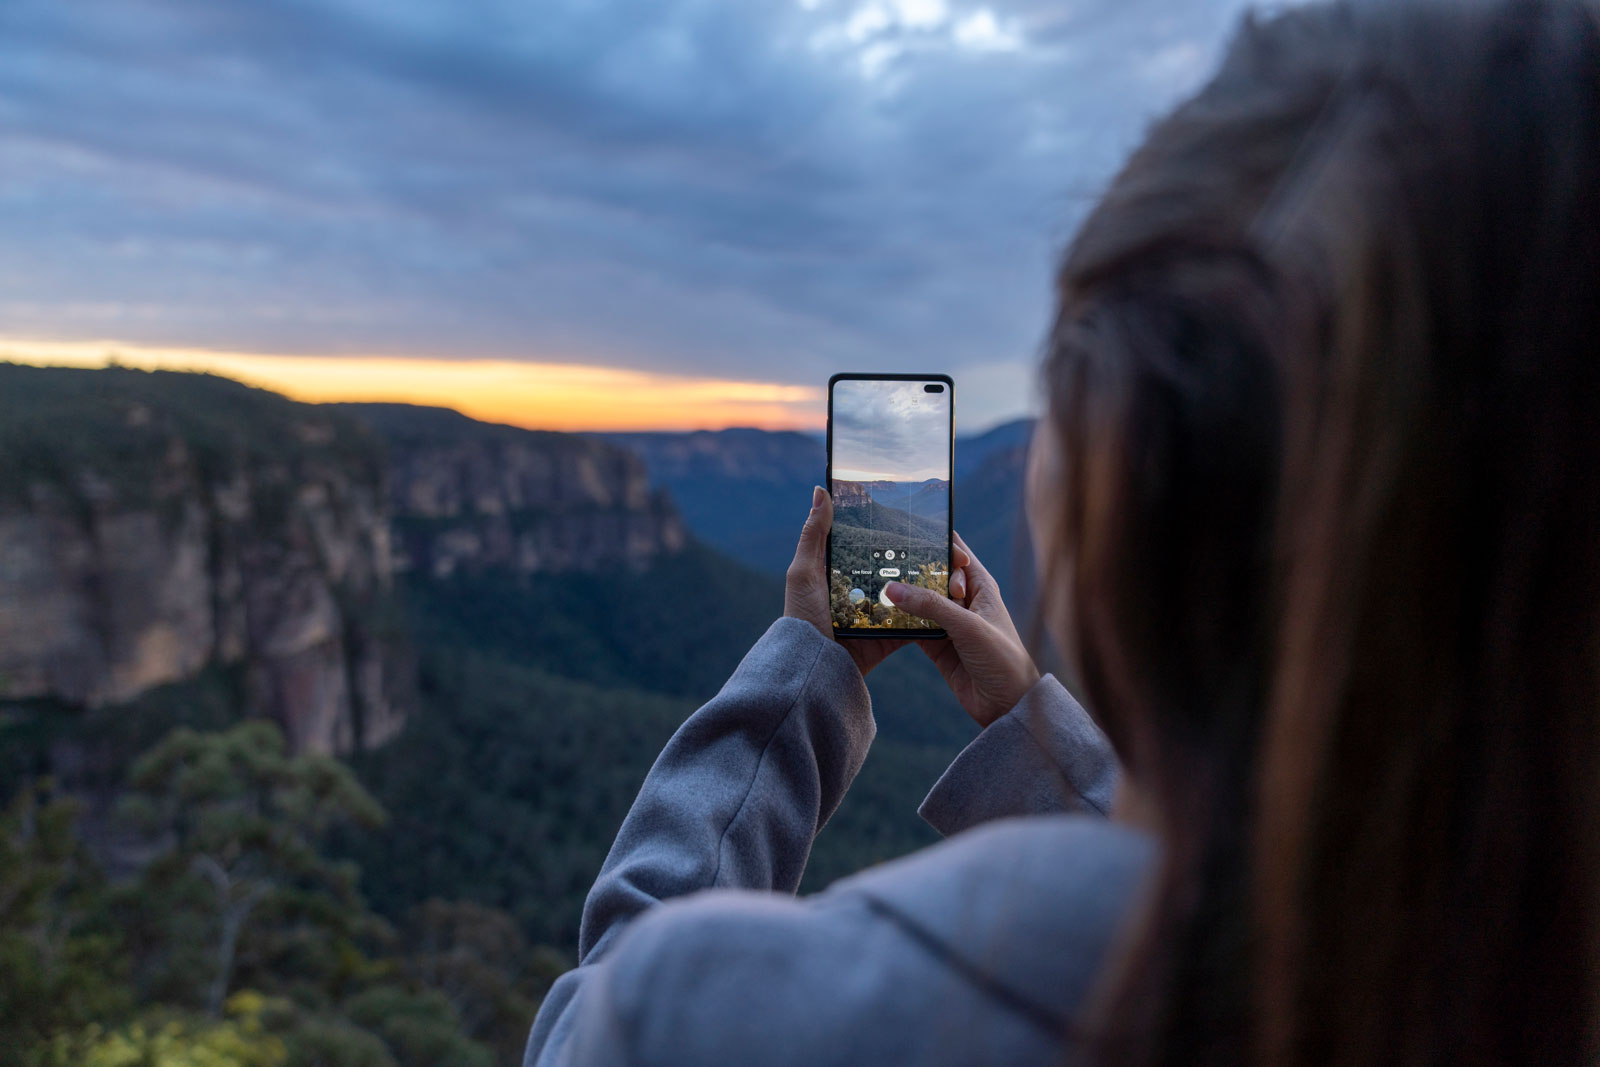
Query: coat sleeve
(1045,756)
(733,801)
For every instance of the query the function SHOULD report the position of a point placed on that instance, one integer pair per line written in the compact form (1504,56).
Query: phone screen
(889,450)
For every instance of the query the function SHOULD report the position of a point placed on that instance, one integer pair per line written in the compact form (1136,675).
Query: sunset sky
(567,213)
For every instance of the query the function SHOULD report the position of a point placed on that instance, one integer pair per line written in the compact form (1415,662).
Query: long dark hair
(1326,378)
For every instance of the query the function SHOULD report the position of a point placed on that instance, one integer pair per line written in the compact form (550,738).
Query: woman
(1317,501)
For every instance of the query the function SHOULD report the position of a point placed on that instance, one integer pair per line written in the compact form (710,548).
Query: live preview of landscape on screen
(891,498)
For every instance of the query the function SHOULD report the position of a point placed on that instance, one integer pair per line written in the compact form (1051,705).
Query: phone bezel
(852,633)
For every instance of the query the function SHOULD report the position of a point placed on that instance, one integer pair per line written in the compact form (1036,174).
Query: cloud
(890,431)
(767,191)
(981,30)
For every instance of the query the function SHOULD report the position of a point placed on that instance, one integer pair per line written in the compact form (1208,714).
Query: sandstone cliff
(469,496)
(154,523)
(848,494)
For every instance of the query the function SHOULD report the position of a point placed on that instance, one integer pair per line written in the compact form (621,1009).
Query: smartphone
(891,447)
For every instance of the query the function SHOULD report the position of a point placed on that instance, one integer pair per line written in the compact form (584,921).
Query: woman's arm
(740,791)
(734,800)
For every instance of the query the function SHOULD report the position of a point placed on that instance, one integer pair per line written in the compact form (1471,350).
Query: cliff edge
(152,523)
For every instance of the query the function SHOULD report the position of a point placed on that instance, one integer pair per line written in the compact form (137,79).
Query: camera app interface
(891,499)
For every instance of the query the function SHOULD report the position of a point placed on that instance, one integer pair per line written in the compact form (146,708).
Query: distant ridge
(769,474)
(855,506)
(468,495)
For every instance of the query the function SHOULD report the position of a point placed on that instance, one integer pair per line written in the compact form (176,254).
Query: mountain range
(927,499)
(746,491)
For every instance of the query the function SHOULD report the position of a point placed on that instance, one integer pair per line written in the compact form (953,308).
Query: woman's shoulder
(984,943)
(1030,903)
(1069,853)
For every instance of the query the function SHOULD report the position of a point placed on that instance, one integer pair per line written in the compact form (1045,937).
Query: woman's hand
(982,659)
(805,590)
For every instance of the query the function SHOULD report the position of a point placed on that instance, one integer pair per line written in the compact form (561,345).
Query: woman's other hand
(982,659)
(805,587)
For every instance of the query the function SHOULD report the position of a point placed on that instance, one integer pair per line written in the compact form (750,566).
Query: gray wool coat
(982,949)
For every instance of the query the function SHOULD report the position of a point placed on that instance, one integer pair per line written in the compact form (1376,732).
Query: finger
(824,507)
(972,563)
(926,604)
(983,596)
(814,534)
(979,580)
(958,586)
(959,556)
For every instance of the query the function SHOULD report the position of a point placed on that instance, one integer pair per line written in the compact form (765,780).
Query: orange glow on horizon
(541,396)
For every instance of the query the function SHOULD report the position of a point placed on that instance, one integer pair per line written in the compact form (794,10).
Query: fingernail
(817,496)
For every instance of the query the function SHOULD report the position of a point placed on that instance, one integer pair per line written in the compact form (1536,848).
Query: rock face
(848,494)
(469,496)
(153,524)
(157,523)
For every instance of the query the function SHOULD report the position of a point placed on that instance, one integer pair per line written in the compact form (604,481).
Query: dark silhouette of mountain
(990,471)
(740,453)
(743,491)
(973,452)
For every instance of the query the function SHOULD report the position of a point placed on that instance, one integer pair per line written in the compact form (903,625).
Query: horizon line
(562,397)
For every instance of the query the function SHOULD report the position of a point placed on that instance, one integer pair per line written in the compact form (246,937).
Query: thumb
(927,604)
(815,532)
